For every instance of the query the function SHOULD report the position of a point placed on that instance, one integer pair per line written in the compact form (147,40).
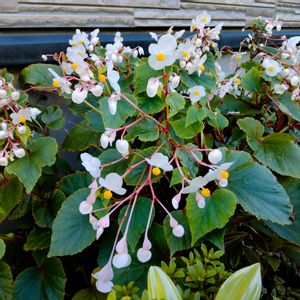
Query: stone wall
(140,13)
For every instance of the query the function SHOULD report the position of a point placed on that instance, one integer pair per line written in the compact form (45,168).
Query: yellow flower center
(205,192)
(271,68)
(160,56)
(102,78)
(156,171)
(203,19)
(201,68)
(237,80)
(55,83)
(74,44)
(22,119)
(238,57)
(74,66)
(196,92)
(80,53)
(185,54)
(193,27)
(81,42)
(224,174)
(107,195)
(65,70)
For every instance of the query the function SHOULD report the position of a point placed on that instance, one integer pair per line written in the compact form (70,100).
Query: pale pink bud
(215,156)
(173,222)
(178,230)
(104,221)
(175,81)
(176,200)
(152,87)
(15,95)
(122,245)
(143,255)
(122,147)
(19,152)
(3,161)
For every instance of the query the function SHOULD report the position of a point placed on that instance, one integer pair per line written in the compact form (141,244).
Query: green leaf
(188,161)
(124,110)
(190,81)
(6,282)
(42,153)
(216,213)
(194,114)
(252,81)
(80,138)
(186,132)
(290,232)
(44,283)
(217,120)
(138,221)
(53,117)
(242,284)
(10,195)
(71,183)
(69,225)
(6,75)
(94,120)
(289,106)
(89,294)
(176,243)
(2,248)
(44,209)
(38,238)
(146,131)
(278,151)
(151,105)
(176,103)
(256,188)
(38,74)
(24,137)
(143,72)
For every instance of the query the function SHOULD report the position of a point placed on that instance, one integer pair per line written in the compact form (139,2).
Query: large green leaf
(290,232)
(138,220)
(216,213)
(43,283)
(71,231)
(71,183)
(188,132)
(256,188)
(39,75)
(2,248)
(194,114)
(176,103)
(94,120)
(252,81)
(10,195)
(89,294)
(289,106)
(38,238)
(278,151)
(151,105)
(29,168)
(177,243)
(53,117)
(6,282)
(242,284)
(146,130)
(80,137)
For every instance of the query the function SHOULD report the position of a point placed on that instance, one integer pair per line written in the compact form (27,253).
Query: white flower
(215,156)
(203,19)
(122,147)
(91,164)
(3,93)
(184,51)
(162,53)
(79,95)
(80,38)
(19,152)
(15,95)
(196,93)
(195,184)
(22,129)
(107,137)
(178,230)
(295,80)
(3,134)
(21,116)
(112,103)
(175,200)
(280,88)
(144,254)
(217,173)
(175,81)
(200,200)
(198,65)
(160,161)
(104,278)
(94,37)
(113,77)
(122,259)
(152,87)
(34,112)
(113,182)
(60,82)
(3,161)
(272,67)
(97,90)
(85,207)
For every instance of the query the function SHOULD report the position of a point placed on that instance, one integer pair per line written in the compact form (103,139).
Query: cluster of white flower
(13,126)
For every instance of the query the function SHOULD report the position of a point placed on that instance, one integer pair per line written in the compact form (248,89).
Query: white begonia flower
(175,81)
(122,147)
(92,164)
(198,65)
(177,229)
(34,112)
(97,90)
(104,278)
(108,137)
(122,259)
(271,66)
(196,93)
(3,161)
(15,95)
(295,80)
(3,102)
(113,103)
(79,95)
(113,182)
(113,77)
(152,87)
(185,51)
(22,129)
(67,68)
(79,38)
(162,53)
(60,82)
(280,88)
(21,116)
(215,156)
(160,161)
(19,152)
(85,207)
(101,224)
(3,134)
(203,19)
(217,173)
(94,37)
(195,184)
(200,200)
(3,93)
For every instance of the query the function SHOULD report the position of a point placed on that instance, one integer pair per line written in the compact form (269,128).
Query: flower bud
(78,96)
(135,54)
(3,161)
(122,147)
(3,93)
(178,230)
(22,129)
(99,232)
(285,72)
(120,59)
(34,112)
(173,222)
(176,200)
(152,87)
(104,221)
(223,182)
(175,81)
(85,207)
(44,57)
(215,156)
(143,255)
(121,246)
(182,63)
(3,134)
(97,90)
(121,260)
(114,57)
(19,152)
(104,140)
(295,80)
(15,95)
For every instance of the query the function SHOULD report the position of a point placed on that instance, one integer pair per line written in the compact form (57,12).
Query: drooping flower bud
(97,90)
(15,95)
(215,156)
(3,161)
(176,200)
(3,134)
(19,152)
(152,87)
(85,207)
(22,129)
(78,96)
(178,230)
(175,81)
(122,147)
